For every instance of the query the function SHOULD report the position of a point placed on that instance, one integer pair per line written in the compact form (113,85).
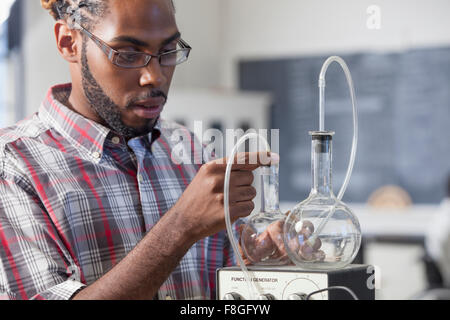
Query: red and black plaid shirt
(75,200)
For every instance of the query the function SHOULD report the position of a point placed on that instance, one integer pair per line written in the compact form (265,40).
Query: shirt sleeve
(33,262)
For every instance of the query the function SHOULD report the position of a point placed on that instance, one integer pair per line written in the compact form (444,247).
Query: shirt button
(96,155)
(140,178)
(168,297)
(115,140)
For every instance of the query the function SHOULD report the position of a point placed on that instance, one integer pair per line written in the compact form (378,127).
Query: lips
(151,102)
(150,108)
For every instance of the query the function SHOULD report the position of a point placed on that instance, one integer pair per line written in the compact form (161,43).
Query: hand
(268,245)
(305,245)
(201,207)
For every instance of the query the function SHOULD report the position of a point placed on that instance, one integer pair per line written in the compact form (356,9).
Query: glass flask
(262,236)
(322,232)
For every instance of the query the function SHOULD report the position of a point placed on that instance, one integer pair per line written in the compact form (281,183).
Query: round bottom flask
(322,232)
(262,236)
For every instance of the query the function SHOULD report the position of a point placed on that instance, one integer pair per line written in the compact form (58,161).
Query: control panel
(291,283)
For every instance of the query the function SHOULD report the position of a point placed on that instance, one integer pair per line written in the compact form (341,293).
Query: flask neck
(321,164)
(270,189)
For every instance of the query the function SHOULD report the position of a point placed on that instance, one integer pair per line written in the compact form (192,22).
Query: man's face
(129,101)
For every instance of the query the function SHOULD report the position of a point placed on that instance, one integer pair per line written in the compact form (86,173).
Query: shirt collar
(87,134)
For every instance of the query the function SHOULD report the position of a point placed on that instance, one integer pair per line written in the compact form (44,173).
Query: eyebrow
(141,43)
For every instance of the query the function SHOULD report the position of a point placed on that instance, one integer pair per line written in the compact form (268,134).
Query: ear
(68,41)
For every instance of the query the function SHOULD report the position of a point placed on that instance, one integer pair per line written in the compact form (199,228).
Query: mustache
(151,94)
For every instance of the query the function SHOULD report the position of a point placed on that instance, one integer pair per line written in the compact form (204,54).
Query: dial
(297,296)
(232,296)
(266,296)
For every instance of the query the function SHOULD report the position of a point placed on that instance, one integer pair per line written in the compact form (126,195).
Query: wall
(222,32)
(201,25)
(255,28)
(42,63)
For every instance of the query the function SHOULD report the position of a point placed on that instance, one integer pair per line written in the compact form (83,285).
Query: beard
(106,109)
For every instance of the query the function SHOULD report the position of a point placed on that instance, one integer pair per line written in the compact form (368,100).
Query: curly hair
(50,5)
(88,11)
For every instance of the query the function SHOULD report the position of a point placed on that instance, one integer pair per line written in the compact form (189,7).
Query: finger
(237,179)
(249,160)
(244,258)
(245,193)
(264,245)
(241,178)
(270,243)
(241,209)
(241,251)
(276,234)
(281,258)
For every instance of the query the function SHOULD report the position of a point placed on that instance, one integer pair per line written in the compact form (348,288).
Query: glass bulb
(262,236)
(322,232)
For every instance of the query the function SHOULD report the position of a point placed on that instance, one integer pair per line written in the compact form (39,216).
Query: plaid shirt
(75,199)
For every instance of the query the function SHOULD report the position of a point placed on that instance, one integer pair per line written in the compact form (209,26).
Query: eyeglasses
(134,60)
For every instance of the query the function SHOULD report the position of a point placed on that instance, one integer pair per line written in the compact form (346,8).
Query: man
(91,205)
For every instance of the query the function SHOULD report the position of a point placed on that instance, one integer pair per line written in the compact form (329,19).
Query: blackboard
(404,120)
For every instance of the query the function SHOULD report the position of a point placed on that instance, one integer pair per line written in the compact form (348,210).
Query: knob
(297,296)
(266,296)
(232,296)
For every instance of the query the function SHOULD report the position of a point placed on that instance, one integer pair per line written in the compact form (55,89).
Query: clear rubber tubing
(322,85)
(254,289)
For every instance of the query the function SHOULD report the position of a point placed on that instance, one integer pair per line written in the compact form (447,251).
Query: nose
(153,74)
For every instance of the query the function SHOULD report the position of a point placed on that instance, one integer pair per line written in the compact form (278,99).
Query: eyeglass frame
(112,53)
